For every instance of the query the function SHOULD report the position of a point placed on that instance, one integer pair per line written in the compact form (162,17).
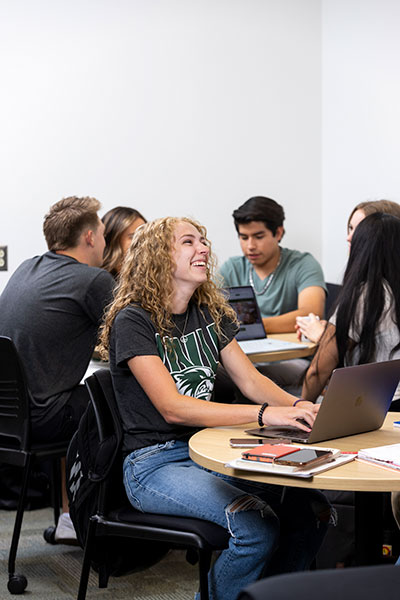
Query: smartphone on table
(269,452)
(252,442)
(305,458)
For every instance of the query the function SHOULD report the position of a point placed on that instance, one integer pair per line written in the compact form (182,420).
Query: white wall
(361,115)
(172,107)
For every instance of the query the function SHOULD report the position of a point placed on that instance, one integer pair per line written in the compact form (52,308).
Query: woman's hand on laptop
(307,404)
(290,415)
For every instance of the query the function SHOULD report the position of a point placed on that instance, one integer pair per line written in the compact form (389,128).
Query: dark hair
(374,262)
(261,209)
(68,219)
(116,221)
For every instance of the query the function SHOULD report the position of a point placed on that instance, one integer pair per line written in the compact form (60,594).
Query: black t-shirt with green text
(191,359)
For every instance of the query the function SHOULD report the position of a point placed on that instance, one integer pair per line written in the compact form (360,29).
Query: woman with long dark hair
(311,326)
(365,326)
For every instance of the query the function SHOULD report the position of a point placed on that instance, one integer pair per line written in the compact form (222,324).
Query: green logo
(192,362)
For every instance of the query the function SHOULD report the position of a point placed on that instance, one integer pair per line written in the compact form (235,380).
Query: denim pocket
(147,452)
(137,464)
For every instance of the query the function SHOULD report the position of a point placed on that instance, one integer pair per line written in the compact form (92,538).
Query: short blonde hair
(146,280)
(68,219)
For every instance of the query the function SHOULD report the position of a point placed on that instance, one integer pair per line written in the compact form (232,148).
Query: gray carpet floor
(53,571)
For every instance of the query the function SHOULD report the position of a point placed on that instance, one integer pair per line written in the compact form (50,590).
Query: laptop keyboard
(289,431)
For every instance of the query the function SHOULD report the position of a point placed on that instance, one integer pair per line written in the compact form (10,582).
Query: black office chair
(195,535)
(16,448)
(333,293)
(356,583)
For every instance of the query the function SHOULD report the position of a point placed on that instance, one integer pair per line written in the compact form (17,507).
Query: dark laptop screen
(243,301)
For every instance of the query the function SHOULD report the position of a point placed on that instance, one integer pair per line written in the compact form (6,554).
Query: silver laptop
(356,400)
(251,336)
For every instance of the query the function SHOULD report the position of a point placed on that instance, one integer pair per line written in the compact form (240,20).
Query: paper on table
(388,456)
(271,469)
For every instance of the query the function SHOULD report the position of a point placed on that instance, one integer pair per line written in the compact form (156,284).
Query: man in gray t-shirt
(51,308)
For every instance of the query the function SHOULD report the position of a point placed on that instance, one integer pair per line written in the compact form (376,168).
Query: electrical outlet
(3,258)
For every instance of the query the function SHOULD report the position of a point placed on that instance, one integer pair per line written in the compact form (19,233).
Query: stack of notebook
(383,456)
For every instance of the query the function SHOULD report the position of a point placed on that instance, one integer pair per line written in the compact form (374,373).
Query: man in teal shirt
(287,283)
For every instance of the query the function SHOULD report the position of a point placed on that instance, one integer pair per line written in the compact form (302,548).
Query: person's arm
(310,299)
(178,409)
(324,362)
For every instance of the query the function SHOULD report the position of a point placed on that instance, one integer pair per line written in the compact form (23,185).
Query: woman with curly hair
(165,332)
(120,224)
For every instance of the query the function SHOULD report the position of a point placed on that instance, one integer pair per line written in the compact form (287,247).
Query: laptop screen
(243,301)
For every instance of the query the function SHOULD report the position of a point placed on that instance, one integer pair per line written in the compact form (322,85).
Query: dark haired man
(51,308)
(287,283)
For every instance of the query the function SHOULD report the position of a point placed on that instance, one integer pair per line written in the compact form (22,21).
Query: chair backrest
(109,428)
(333,292)
(14,396)
(102,396)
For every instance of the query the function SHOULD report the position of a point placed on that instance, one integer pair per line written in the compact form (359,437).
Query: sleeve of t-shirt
(224,271)
(309,273)
(231,272)
(229,330)
(99,295)
(134,335)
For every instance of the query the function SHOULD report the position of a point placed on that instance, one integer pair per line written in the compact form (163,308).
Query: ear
(279,232)
(89,237)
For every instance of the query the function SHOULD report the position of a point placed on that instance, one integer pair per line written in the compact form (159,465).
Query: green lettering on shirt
(192,363)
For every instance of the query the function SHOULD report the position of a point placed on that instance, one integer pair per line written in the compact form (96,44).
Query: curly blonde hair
(146,280)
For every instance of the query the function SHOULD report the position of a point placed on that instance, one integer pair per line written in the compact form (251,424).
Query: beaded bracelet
(260,414)
(297,401)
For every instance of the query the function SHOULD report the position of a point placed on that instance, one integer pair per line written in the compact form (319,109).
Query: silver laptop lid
(357,400)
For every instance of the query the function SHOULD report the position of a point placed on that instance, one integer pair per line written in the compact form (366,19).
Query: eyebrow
(191,235)
(253,233)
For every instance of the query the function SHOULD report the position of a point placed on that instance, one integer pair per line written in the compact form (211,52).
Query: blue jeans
(273,529)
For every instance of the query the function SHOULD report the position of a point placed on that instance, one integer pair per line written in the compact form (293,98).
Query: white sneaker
(65,532)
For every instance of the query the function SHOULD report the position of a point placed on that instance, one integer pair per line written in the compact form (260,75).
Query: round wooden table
(210,449)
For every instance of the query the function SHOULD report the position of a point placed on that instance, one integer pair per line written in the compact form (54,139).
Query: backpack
(88,463)
(38,492)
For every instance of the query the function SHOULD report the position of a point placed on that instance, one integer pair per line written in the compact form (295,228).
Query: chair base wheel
(49,534)
(17,584)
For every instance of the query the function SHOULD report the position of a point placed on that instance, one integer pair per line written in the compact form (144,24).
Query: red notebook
(269,452)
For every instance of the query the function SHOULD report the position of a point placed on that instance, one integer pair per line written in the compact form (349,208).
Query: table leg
(368,517)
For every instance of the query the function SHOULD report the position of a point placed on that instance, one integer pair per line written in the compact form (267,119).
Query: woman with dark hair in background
(365,326)
(311,327)
(120,224)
